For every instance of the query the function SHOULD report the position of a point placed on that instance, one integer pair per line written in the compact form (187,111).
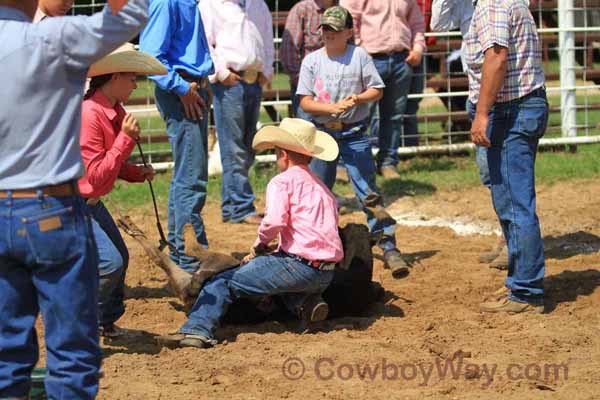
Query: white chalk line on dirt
(462,227)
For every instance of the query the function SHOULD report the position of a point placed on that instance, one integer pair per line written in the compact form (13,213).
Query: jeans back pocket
(533,117)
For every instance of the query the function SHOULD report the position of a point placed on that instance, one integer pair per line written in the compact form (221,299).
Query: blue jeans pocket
(52,235)
(533,117)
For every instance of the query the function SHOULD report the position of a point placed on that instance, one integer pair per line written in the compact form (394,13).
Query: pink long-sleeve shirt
(302,211)
(385,26)
(104,147)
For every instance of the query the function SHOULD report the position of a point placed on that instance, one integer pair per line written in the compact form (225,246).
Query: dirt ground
(428,340)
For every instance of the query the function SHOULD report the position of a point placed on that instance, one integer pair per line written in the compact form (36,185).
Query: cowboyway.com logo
(455,368)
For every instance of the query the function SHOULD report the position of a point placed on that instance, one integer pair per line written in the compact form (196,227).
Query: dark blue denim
(48,263)
(397,76)
(356,153)
(514,130)
(237,110)
(113,262)
(410,134)
(484,170)
(277,274)
(187,193)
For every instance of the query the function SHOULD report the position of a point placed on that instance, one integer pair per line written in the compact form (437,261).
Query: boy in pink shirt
(302,213)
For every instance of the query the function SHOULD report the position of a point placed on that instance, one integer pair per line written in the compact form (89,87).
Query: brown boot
(393,260)
(390,172)
(508,306)
(341,175)
(501,262)
(253,219)
(497,295)
(185,340)
(487,257)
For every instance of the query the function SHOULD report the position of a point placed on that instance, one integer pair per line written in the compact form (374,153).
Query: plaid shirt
(507,23)
(301,35)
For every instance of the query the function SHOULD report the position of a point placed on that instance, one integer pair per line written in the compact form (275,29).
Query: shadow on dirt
(570,245)
(568,285)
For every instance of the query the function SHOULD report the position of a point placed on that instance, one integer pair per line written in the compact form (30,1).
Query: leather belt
(61,190)
(249,76)
(320,265)
(202,81)
(337,126)
(390,54)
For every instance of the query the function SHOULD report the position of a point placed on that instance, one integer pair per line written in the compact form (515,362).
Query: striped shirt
(507,23)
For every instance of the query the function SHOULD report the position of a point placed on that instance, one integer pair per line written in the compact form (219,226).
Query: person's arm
(84,40)
(493,33)
(210,22)
(416,23)
(102,165)
(355,7)
(277,214)
(495,64)
(292,44)
(132,173)
(156,41)
(266,31)
(444,15)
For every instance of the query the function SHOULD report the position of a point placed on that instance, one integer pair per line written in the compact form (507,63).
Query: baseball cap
(337,18)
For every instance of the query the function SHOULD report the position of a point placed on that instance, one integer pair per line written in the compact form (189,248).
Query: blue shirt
(175,35)
(44,68)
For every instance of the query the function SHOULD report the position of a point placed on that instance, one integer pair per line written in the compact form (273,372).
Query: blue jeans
(113,261)
(355,152)
(397,76)
(410,135)
(514,130)
(187,193)
(276,274)
(482,163)
(48,263)
(236,110)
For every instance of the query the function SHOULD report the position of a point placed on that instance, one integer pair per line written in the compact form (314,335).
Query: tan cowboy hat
(297,135)
(127,59)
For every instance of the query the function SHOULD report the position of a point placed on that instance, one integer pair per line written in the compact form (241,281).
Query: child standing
(302,213)
(336,85)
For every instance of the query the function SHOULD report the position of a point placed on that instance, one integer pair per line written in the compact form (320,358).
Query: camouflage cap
(337,18)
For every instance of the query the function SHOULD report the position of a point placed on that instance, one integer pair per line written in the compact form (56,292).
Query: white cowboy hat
(297,135)
(127,59)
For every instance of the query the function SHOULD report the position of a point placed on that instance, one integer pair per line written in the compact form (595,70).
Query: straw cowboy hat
(127,59)
(297,135)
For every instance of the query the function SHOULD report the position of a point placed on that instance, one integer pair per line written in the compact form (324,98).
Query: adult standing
(175,36)
(509,113)
(240,36)
(48,260)
(392,32)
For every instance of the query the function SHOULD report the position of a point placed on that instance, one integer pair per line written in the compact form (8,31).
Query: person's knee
(111,260)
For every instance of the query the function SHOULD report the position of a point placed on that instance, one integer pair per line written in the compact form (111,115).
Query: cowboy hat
(127,59)
(297,135)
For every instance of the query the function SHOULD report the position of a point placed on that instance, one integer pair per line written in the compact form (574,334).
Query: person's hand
(193,104)
(148,173)
(479,130)
(231,79)
(343,105)
(131,127)
(247,259)
(262,79)
(414,58)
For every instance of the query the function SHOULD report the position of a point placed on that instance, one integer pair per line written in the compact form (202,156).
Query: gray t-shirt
(331,79)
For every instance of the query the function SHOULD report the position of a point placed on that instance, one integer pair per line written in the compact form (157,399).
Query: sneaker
(392,260)
(389,172)
(501,262)
(487,257)
(314,309)
(506,305)
(186,340)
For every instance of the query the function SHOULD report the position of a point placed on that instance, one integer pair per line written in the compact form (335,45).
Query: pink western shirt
(303,212)
(104,147)
(385,26)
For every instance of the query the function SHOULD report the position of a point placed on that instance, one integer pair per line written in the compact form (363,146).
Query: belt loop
(9,197)
(40,195)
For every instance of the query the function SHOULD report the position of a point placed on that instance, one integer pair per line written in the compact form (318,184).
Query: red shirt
(104,147)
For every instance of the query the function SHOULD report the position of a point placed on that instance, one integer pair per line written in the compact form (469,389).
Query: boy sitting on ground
(302,213)
(336,85)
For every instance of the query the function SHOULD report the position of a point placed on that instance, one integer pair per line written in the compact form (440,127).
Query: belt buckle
(335,126)
(250,76)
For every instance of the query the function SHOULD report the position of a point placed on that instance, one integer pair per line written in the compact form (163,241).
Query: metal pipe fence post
(566,42)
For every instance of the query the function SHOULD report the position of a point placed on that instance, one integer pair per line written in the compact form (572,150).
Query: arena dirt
(427,340)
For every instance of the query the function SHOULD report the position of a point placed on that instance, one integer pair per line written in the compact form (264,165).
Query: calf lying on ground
(351,291)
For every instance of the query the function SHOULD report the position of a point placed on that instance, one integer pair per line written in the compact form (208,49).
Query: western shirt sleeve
(370,76)
(292,43)
(84,40)
(267,36)
(102,165)
(355,7)
(211,28)
(417,27)
(277,212)
(156,41)
(131,173)
(493,24)
(444,15)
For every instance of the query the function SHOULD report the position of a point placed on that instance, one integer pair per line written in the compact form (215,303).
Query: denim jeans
(276,274)
(236,110)
(397,76)
(355,152)
(48,263)
(514,130)
(410,135)
(482,164)
(187,193)
(113,261)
